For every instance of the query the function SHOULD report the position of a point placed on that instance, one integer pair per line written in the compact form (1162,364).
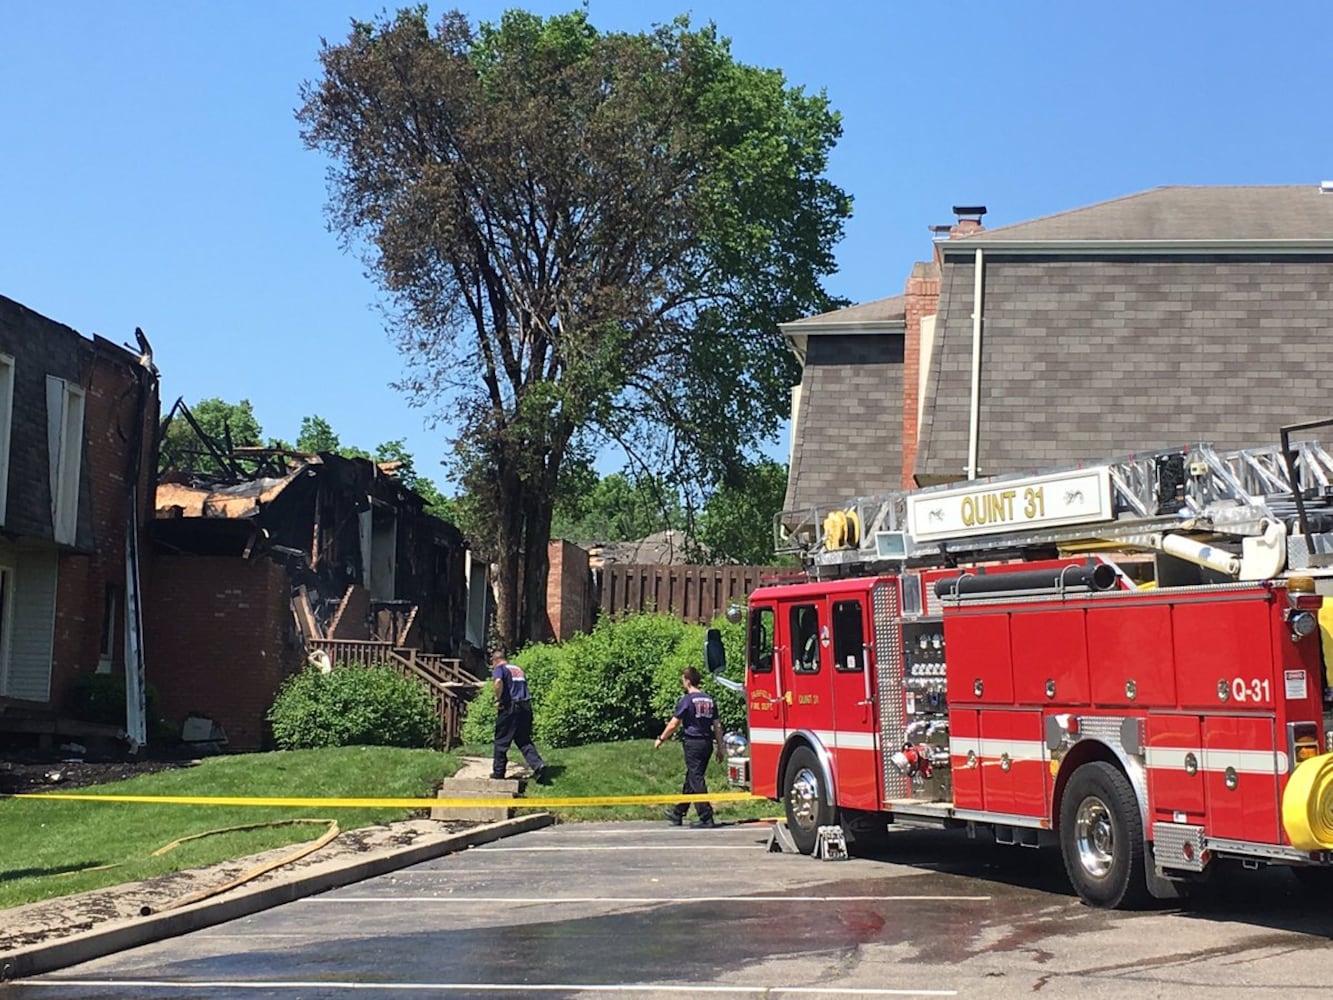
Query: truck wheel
(806,798)
(1101,838)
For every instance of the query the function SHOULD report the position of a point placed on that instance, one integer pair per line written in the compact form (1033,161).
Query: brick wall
(569,601)
(219,640)
(110,380)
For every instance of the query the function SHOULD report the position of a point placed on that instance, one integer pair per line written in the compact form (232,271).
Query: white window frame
(6,425)
(65,403)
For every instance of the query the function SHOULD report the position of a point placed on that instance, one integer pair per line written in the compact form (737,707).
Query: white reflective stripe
(1245,761)
(994,749)
(842,739)
(1242,761)
(854,741)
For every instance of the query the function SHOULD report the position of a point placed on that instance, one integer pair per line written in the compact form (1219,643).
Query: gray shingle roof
(1286,212)
(887,310)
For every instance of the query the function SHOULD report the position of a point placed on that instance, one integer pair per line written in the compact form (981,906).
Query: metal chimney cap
(977,210)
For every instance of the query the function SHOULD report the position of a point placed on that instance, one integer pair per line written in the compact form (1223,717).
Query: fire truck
(1123,658)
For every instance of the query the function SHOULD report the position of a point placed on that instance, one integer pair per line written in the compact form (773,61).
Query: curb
(88,945)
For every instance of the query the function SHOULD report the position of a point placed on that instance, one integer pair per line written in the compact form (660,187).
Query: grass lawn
(629,768)
(46,845)
(50,848)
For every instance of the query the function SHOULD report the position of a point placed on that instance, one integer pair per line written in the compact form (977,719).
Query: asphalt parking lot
(645,910)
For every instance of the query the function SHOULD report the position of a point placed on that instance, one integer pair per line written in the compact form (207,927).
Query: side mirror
(715,657)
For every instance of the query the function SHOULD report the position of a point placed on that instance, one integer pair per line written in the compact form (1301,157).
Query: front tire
(1101,838)
(806,798)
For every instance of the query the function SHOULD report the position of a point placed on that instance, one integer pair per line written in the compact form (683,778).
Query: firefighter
(701,734)
(513,719)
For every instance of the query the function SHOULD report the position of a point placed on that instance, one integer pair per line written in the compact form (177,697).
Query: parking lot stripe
(623,847)
(453,900)
(634,989)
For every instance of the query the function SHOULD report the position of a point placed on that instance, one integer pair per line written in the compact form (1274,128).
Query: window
(805,639)
(761,641)
(6,421)
(64,436)
(848,636)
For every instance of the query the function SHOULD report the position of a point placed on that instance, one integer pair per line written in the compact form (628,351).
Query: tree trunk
(536,569)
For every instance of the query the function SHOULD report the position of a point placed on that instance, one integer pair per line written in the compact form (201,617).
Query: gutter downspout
(136,709)
(974,423)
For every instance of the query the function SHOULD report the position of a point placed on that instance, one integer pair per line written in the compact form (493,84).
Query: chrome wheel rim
(803,799)
(1094,836)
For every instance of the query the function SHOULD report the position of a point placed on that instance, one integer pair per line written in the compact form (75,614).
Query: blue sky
(151,171)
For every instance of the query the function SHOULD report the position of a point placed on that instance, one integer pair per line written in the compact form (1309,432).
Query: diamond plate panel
(1102,727)
(1169,843)
(889,682)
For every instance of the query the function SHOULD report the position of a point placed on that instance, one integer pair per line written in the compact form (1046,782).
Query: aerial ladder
(1247,514)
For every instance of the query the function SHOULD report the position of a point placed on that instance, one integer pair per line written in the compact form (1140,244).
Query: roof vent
(1326,187)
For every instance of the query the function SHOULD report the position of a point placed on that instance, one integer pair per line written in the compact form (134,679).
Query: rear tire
(1101,838)
(806,798)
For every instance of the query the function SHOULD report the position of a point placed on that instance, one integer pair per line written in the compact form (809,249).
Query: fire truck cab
(1124,659)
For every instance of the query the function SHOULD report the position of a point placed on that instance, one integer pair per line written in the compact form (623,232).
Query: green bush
(101,698)
(620,682)
(354,705)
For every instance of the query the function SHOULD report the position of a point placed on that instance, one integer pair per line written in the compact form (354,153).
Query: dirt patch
(54,773)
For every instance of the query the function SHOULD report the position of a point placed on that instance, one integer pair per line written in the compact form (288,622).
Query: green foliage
(614,509)
(352,706)
(620,682)
(316,435)
(101,698)
(737,520)
(221,421)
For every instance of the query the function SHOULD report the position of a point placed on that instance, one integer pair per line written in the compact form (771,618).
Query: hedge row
(619,682)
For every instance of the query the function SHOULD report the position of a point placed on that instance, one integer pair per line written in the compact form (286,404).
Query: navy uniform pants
(697,752)
(514,725)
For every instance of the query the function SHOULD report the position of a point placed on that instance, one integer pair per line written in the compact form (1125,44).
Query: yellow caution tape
(1307,805)
(293,803)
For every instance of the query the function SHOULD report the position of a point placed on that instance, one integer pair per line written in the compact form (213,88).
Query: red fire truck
(1124,658)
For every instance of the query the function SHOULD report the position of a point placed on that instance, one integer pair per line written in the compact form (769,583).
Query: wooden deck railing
(451,686)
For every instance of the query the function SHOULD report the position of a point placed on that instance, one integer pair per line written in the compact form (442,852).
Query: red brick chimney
(923,299)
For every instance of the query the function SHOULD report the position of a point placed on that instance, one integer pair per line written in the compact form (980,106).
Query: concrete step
(476,788)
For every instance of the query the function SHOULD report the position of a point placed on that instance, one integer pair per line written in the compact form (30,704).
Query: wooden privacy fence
(692,593)
(451,686)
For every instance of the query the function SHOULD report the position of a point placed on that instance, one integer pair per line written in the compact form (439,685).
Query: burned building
(280,554)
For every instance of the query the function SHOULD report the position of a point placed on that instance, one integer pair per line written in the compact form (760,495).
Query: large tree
(583,236)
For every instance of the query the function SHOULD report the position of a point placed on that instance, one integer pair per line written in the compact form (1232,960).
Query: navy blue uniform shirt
(516,684)
(696,712)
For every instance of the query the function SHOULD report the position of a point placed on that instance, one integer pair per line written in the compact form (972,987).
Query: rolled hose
(1307,804)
